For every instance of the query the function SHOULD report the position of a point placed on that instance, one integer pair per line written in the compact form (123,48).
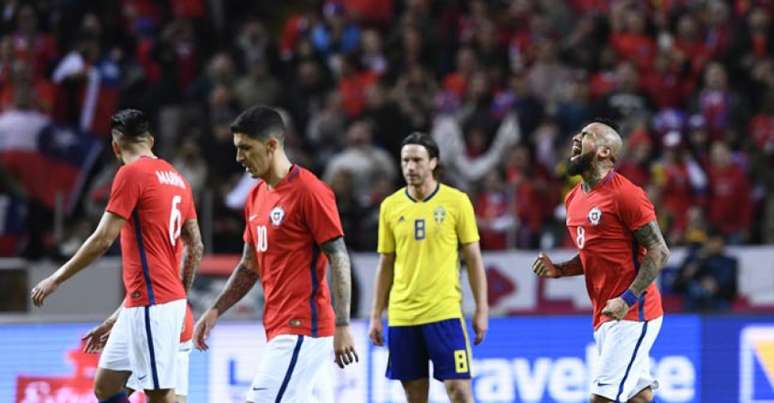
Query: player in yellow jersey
(421,228)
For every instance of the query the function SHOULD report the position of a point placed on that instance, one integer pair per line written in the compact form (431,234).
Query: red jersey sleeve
(246,234)
(125,192)
(191,213)
(321,213)
(634,207)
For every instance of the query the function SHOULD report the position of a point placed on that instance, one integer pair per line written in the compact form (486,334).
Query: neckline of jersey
(292,173)
(426,199)
(601,183)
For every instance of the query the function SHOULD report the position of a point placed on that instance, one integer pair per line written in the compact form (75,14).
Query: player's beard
(581,164)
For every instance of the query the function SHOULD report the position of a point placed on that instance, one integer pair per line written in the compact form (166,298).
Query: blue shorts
(445,343)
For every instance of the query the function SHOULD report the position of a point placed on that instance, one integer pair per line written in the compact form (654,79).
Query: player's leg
(109,386)
(408,361)
(448,347)
(278,367)
(417,391)
(624,361)
(315,354)
(183,359)
(459,390)
(644,396)
(114,365)
(156,341)
(160,395)
(599,399)
(644,384)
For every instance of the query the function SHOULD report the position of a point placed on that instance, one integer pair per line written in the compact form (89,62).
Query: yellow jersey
(425,236)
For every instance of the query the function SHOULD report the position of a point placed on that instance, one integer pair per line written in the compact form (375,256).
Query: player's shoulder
(397,197)
(572,193)
(450,191)
(621,186)
(451,194)
(137,169)
(303,178)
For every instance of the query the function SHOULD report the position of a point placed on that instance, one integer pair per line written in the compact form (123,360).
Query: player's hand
(203,328)
(480,325)
(375,332)
(41,291)
(96,338)
(543,267)
(344,347)
(615,308)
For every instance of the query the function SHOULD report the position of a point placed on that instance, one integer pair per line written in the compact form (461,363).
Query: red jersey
(155,200)
(601,224)
(285,225)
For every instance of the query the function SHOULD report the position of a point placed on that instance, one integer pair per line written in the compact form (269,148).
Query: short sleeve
(386,243)
(634,208)
(125,192)
(467,231)
(321,213)
(191,213)
(246,235)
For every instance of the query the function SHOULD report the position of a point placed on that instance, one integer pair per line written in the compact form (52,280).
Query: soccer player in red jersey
(152,207)
(292,230)
(620,251)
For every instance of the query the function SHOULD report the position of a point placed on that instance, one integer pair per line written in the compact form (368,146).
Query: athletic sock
(120,397)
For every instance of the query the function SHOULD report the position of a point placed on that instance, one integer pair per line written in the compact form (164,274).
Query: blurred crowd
(501,85)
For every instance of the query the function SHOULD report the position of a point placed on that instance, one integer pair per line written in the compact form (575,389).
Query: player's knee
(599,399)
(458,391)
(104,392)
(645,396)
(106,395)
(414,395)
(160,396)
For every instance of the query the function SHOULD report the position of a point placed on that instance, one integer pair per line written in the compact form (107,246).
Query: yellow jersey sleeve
(467,231)
(386,242)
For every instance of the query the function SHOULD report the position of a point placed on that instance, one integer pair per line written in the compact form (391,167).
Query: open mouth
(576,150)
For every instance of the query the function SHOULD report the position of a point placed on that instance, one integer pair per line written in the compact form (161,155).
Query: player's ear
(604,152)
(116,148)
(271,144)
(433,163)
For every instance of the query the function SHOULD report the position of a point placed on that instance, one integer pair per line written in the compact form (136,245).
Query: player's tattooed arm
(649,236)
(194,251)
(240,283)
(572,267)
(336,250)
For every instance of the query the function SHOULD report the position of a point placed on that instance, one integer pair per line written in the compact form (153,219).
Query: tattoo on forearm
(651,238)
(336,250)
(572,267)
(239,284)
(194,251)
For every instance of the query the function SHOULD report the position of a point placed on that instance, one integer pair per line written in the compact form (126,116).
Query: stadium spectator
(494,216)
(258,86)
(720,106)
(458,70)
(708,277)
(730,205)
(363,160)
